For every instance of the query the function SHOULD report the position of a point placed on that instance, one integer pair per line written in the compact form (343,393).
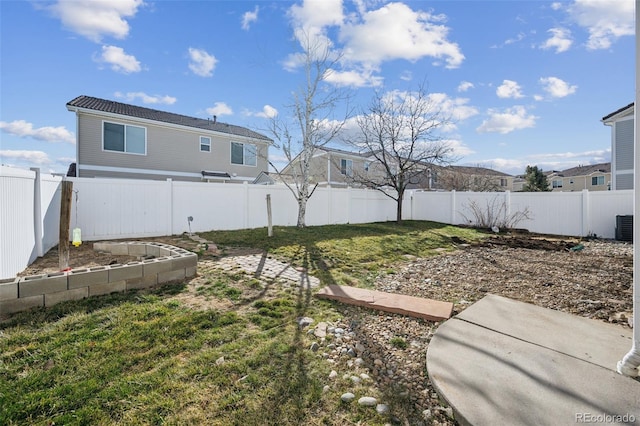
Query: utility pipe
(628,366)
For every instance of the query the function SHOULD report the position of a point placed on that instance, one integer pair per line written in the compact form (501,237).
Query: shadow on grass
(295,390)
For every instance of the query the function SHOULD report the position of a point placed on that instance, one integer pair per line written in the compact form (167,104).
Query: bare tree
(312,124)
(398,132)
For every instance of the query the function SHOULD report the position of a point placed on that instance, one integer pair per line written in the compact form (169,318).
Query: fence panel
(434,206)
(117,208)
(603,209)
(17,236)
(557,213)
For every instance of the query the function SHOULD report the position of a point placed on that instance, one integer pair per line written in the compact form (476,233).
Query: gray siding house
(622,155)
(114,139)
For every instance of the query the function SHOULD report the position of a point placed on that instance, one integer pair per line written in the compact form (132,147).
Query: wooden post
(269,227)
(65,222)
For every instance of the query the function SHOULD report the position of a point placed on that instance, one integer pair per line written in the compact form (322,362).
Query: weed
(398,342)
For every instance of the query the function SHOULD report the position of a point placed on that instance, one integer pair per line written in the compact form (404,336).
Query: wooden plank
(65,221)
(418,307)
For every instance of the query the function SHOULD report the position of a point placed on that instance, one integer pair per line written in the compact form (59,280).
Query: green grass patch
(147,357)
(349,254)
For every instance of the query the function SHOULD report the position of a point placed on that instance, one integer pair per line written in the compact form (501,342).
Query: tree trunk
(399,207)
(303,197)
(302,210)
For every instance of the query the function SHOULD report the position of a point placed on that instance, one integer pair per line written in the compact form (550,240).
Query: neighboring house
(126,141)
(595,177)
(622,146)
(468,178)
(334,167)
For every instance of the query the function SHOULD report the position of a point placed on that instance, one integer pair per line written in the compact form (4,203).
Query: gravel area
(593,280)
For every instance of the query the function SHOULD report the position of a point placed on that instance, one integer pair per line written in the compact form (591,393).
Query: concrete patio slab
(507,362)
(432,310)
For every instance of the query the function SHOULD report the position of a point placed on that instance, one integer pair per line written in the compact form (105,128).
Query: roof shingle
(103,105)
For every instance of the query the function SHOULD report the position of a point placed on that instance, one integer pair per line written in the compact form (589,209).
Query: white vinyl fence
(29,217)
(107,209)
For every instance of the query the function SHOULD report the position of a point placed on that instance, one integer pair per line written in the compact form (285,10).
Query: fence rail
(108,209)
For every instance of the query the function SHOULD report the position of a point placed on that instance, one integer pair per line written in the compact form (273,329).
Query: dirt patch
(529,241)
(85,256)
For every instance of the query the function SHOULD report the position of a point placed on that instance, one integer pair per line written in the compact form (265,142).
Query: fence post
(452,219)
(65,220)
(170,207)
(269,217)
(586,216)
(245,185)
(349,197)
(329,204)
(507,201)
(37,211)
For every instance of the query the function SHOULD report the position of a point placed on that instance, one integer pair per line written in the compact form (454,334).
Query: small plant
(495,214)
(398,342)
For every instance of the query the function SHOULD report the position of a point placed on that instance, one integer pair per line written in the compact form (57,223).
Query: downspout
(631,361)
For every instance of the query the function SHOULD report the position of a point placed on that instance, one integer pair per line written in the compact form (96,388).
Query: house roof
(476,170)
(103,105)
(344,152)
(618,111)
(586,170)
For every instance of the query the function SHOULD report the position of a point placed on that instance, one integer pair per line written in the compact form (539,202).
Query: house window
(503,182)
(571,181)
(205,144)
(597,180)
(346,167)
(557,183)
(243,153)
(367,164)
(124,138)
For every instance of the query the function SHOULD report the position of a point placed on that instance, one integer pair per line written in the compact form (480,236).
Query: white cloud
(249,17)
(119,60)
(406,75)
(556,87)
(25,129)
(606,21)
(97,18)
(267,112)
(560,40)
(556,6)
(509,89)
(395,31)
(146,99)
(458,149)
(202,63)
(219,109)
(313,16)
(464,86)
(36,157)
(456,108)
(507,121)
(353,78)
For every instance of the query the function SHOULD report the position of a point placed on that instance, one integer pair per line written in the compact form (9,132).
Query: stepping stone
(418,307)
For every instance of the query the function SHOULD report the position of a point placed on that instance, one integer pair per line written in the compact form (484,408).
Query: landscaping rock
(368,401)
(347,397)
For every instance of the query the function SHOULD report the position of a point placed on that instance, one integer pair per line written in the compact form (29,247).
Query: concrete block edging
(169,263)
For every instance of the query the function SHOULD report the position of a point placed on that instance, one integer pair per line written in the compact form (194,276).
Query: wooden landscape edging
(418,307)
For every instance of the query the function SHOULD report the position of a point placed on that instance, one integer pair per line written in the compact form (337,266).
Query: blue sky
(526,81)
